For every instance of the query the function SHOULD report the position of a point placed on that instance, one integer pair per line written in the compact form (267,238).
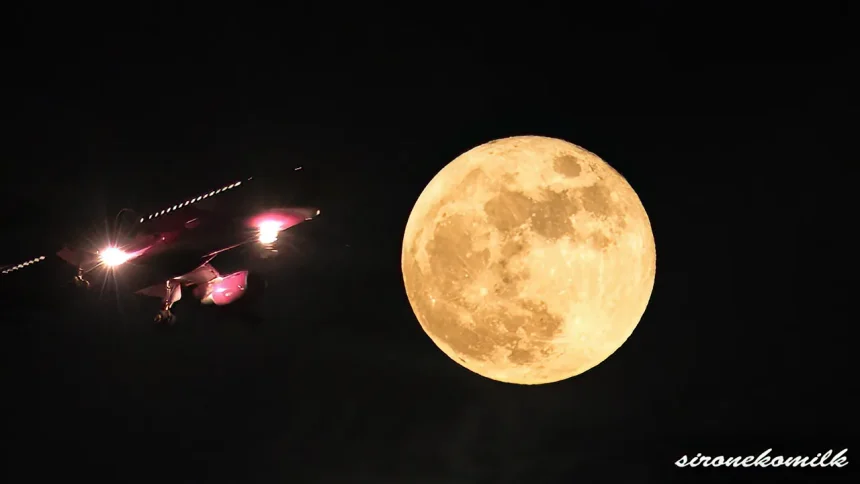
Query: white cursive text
(826,459)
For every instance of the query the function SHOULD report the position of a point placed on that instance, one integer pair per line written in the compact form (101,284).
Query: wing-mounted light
(112,257)
(191,201)
(272,222)
(17,267)
(268,231)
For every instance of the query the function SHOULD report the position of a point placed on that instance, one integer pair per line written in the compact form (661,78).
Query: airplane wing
(283,218)
(264,224)
(204,202)
(201,275)
(152,222)
(80,258)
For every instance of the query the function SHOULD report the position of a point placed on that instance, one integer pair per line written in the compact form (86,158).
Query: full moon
(528,260)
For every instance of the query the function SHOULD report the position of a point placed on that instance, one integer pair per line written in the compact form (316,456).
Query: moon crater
(528,260)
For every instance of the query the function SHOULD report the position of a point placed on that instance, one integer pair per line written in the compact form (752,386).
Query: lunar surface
(528,260)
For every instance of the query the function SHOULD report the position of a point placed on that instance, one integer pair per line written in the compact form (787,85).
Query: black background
(731,124)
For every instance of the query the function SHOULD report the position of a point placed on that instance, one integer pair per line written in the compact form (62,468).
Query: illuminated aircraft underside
(174,248)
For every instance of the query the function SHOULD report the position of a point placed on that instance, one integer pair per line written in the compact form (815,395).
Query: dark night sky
(730,125)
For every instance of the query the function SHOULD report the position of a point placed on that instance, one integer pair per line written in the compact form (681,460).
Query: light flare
(112,256)
(268,231)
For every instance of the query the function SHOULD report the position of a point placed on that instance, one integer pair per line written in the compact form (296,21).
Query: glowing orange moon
(528,260)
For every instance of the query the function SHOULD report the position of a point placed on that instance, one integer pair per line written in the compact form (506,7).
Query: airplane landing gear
(80,280)
(172,294)
(165,316)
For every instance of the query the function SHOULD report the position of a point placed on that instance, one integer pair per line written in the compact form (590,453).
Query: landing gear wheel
(80,280)
(165,316)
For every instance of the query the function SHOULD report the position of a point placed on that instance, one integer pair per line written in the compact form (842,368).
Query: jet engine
(232,287)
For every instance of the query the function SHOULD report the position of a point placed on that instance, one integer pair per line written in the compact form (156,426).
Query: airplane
(174,249)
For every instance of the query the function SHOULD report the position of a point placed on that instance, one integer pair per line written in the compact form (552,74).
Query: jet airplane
(174,249)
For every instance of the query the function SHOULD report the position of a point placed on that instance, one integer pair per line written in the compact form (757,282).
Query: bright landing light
(113,257)
(268,232)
